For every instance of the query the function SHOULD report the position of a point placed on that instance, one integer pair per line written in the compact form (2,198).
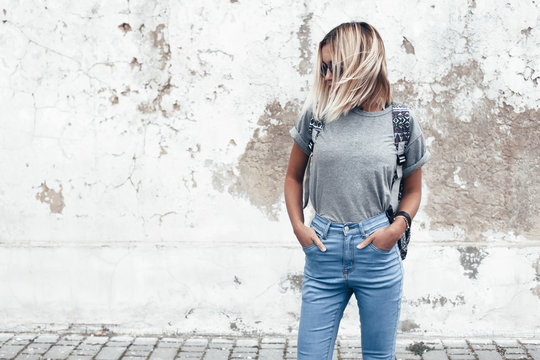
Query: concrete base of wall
(244,289)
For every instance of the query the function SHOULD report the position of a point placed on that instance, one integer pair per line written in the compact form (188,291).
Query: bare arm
(412,194)
(293,186)
(293,189)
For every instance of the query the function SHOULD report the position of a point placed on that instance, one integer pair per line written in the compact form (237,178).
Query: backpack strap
(402,133)
(315,127)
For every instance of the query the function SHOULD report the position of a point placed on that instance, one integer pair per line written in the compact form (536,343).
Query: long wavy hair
(360,77)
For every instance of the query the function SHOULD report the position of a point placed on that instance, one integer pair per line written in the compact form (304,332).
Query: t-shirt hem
(299,141)
(417,165)
(359,220)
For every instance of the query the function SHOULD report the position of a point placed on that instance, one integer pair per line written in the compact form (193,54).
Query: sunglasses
(325,68)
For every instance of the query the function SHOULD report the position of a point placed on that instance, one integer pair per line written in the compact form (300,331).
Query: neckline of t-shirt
(373,113)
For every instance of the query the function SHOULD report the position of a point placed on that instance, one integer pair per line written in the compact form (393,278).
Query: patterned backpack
(401,124)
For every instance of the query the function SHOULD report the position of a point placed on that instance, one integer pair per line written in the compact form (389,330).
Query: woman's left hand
(385,238)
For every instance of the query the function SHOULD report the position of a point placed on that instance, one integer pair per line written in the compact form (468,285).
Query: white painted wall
(124,149)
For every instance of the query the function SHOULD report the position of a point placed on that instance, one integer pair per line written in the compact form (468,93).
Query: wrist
(399,226)
(297,226)
(405,216)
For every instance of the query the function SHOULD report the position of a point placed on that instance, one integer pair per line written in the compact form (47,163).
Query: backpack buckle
(310,145)
(401,159)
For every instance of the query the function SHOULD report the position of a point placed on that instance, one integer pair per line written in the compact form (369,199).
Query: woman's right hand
(307,236)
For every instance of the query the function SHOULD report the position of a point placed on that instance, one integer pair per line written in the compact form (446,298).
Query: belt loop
(326,229)
(361,228)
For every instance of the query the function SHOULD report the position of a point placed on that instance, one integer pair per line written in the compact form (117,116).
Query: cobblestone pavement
(112,347)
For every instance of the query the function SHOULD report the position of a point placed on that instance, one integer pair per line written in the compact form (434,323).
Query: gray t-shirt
(354,159)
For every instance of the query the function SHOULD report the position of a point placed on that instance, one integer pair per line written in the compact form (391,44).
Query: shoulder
(307,109)
(306,113)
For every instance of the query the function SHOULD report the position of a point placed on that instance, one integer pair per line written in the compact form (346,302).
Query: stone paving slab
(164,353)
(58,352)
(468,356)
(435,355)
(10,351)
(488,355)
(111,353)
(29,356)
(84,350)
(36,348)
(96,340)
(216,354)
(102,346)
(534,354)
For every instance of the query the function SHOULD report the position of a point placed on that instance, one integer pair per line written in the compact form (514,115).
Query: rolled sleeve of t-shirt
(416,153)
(301,133)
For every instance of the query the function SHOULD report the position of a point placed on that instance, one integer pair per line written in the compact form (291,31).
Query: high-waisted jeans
(374,275)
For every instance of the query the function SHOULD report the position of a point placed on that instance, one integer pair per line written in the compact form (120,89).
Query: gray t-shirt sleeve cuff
(302,144)
(417,165)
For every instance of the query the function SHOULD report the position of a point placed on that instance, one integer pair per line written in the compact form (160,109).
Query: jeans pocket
(380,250)
(371,232)
(309,247)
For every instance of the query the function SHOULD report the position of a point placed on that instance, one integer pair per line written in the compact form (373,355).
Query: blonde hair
(358,51)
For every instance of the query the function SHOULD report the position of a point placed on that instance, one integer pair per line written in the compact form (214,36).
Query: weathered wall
(144,145)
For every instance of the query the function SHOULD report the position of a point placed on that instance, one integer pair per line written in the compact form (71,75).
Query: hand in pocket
(307,237)
(383,239)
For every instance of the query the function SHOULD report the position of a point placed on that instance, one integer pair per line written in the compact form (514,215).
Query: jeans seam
(341,308)
(398,312)
(395,330)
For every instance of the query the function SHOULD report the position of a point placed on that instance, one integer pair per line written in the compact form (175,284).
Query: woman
(351,244)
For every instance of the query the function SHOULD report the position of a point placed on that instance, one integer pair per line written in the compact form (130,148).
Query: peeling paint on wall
(159,42)
(304,34)
(409,48)
(54,198)
(470,258)
(155,105)
(436,300)
(526,32)
(497,153)
(263,165)
(536,290)
(292,282)
(408,325)
(125,27)
(237,324)
(135,63)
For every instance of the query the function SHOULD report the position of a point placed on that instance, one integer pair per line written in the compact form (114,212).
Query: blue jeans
(374,275)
